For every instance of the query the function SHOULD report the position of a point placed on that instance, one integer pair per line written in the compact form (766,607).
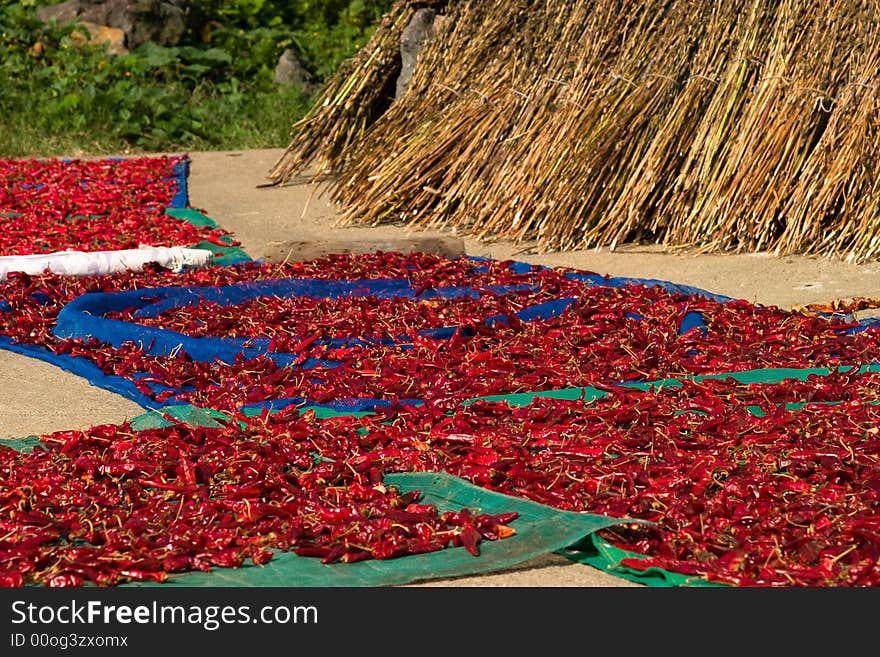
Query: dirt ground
(39,398)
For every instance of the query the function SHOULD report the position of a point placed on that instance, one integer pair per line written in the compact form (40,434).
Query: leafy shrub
(214,90)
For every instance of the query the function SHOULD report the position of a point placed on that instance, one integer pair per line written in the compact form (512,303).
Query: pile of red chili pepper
(109,505)
(608,334)
(742,487)
(289,321)
(744,490)
(54,205)
(32,303)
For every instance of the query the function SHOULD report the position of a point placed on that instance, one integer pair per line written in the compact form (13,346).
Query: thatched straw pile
(711,125)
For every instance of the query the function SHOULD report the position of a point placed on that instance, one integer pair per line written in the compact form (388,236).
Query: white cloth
(92,263)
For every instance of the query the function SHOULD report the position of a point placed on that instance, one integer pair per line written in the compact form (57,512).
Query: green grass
(204,120)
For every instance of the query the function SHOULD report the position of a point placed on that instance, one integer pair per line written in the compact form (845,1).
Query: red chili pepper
(91,205)
(262,557)
(302,344)
(11,579)
(470,538)
(65,580)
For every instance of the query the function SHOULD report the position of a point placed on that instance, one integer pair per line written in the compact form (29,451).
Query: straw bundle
(352,100)
(706,125)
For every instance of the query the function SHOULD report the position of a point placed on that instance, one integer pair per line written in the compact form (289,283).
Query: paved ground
(38,398)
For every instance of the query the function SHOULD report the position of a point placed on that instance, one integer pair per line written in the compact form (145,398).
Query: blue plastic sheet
(84,317)
(180,172)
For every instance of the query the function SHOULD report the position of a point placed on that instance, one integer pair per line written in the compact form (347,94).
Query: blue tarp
(181,174)
(84,318)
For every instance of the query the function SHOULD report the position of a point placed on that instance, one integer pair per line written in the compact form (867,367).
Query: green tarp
(539,529)
(767,375)
(223,255)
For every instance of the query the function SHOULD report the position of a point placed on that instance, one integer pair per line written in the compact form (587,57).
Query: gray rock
(62,13)
(419,29)
(290,70)
(161,21)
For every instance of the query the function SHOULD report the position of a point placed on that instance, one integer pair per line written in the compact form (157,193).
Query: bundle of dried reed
(709,125)
(353,98)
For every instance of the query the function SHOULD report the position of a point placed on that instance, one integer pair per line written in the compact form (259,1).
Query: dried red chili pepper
(55,205)
(695,459)
(109,504)
(761,499)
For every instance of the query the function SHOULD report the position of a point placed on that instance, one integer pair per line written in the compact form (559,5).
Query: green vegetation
(213,91)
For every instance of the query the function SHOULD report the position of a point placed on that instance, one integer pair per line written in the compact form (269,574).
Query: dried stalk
(708,125)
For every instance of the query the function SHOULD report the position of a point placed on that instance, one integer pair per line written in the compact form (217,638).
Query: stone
(162,21)
(111,37)
(290,71)
(419,29)
(61,13)
(301,250)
